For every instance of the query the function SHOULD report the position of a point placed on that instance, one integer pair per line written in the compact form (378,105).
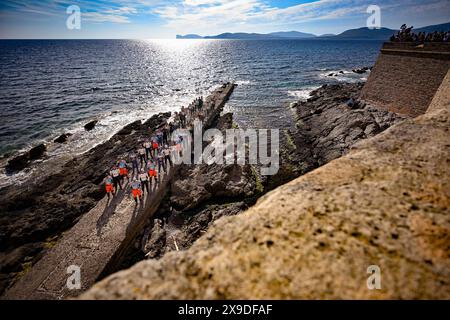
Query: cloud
(217,15)
(104,17)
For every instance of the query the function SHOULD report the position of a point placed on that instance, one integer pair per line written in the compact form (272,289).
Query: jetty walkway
(98,242)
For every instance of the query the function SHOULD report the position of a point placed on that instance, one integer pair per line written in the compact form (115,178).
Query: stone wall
(406,76)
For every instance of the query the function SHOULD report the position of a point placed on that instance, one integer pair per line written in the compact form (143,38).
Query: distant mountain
(437,27)
(242,36)
(366,34)
(385,33)
(293,35)
(253,36)
(352,34)
(189,36)
(327,35)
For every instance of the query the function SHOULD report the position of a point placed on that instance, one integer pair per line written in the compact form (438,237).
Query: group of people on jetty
(405,34)
(143,167)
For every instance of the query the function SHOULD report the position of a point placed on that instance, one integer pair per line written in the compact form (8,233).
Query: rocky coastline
(385,202)
(34,216)
(328,124)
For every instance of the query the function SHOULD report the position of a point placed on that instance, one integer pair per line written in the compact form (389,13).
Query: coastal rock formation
(18,163)
(361,70)
(199,195)
(21,161)
(53,202)
(90,125)
(62,138)
(385,203)
(331,121)
(198,183)
(37,152)
(330,124)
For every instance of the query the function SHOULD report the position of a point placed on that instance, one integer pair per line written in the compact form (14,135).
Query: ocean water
(49,87)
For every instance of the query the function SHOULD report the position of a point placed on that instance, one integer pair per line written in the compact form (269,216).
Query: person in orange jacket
(109,186)
(151,168)
(136,190)
(123,169)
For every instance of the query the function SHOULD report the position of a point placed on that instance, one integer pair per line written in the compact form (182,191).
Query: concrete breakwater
(98,240)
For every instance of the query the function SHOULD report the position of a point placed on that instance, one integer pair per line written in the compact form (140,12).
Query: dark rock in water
(341,72)
(18,163)
(360,71)
(37,152)
(62,138)
(90,125)
(331,75)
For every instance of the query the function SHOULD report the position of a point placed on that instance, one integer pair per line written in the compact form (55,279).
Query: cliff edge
(385,203)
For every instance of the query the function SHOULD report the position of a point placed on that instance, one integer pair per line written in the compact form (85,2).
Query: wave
(302,94)
(81,141)
(244,82)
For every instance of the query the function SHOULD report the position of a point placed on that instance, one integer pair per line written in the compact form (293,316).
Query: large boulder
(199,183)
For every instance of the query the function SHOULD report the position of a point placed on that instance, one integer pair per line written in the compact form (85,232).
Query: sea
(50,87)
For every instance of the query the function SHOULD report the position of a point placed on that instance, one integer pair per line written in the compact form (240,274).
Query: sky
(155,19)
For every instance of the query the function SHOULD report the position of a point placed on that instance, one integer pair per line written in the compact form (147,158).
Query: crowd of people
(142,169)
(405,34)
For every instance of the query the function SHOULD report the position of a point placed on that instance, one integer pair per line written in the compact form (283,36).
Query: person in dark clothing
(165,132)
(134,163)
(143,177)
(167,159)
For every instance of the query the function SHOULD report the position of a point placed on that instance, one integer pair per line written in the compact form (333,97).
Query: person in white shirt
(115,173)
(141,152)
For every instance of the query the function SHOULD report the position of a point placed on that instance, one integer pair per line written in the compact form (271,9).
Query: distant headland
(352,34)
